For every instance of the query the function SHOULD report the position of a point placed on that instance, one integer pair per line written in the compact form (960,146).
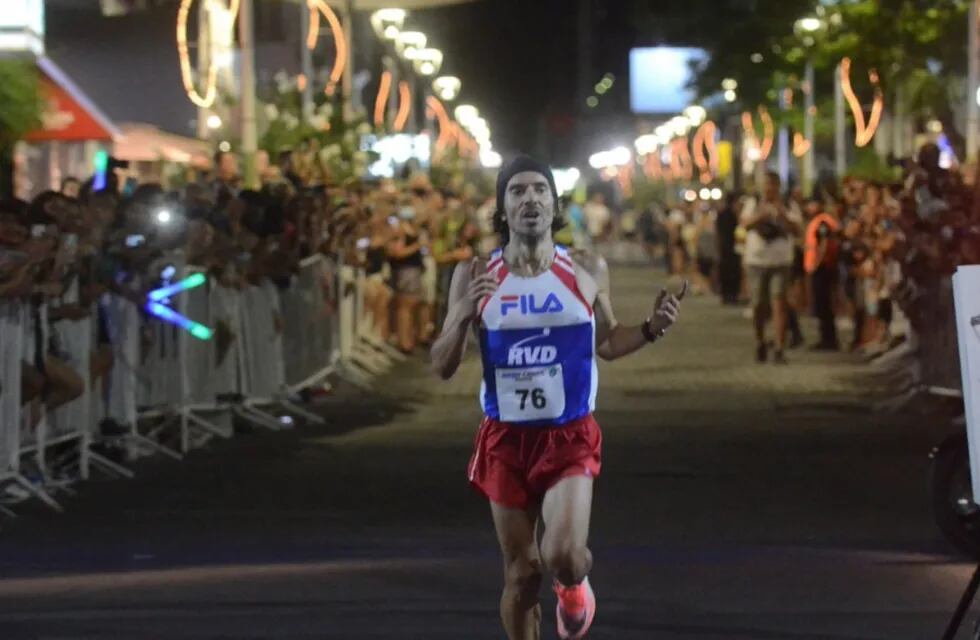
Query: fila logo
(527,304)
(520,355)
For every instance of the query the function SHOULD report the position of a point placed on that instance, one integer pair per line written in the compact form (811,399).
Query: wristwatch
(649,334)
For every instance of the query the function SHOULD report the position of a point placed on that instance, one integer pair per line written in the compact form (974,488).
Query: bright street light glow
(696,114)
(465,114)
(690,195)
(410,39)
(490,159)
(428,61)
(729,84)
(646,144)
(618,157)
(705,193)
(214,121)
(387,23)
(447,87)
(164,216)
(680,124)
(225,146)
(396,16)
(566,179)
(809,24)
(756,58)
(592,102)
(730,96)
(716,194)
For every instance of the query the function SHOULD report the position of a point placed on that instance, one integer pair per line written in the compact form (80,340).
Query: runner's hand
(666,309)
(482,285)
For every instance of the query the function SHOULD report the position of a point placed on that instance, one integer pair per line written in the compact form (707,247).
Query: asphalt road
(737,500)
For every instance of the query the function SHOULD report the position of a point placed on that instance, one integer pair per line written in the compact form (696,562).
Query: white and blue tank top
(537,341)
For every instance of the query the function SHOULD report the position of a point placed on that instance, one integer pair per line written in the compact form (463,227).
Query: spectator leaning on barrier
(406,260)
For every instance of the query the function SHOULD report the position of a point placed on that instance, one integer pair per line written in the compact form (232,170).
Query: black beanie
(521,164)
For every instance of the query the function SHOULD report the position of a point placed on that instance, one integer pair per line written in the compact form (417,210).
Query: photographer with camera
(772,229)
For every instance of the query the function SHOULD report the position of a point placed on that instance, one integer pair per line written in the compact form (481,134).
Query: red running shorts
(515,466)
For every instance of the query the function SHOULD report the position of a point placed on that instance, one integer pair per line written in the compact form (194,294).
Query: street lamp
(466,113)
(387,23)
(696,114)
(807,27)
(409,41)
(427,62)
(809,24)
(447,87)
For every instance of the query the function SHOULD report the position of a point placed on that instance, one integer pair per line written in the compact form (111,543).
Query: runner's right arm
(465,293)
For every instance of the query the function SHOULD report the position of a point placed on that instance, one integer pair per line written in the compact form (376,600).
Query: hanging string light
(382,100)
(318,8)
(183,53)
(863,132)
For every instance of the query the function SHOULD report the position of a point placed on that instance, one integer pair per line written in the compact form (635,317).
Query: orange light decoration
(211,83)
(768,132)
(863,132)
(625,178)
(382,100)
(318,8)
(301,82)
(800,145)
(404,105)
(652,166)
(704,139)
(680,160)
(445,123)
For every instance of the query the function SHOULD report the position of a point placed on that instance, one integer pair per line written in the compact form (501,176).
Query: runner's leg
(520,609)
(566,511)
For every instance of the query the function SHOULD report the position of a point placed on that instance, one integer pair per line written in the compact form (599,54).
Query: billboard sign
(659,78)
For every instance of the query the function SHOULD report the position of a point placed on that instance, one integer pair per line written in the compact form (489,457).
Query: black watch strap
(648,333)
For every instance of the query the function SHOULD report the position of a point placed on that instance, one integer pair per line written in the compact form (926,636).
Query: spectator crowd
(861,254)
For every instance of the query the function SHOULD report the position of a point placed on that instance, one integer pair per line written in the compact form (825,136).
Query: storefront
(72,130)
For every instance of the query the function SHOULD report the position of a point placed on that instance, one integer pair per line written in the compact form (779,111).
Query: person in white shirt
(768,258)
(597,216)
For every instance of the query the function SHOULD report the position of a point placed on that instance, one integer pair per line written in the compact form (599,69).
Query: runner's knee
(566,557)
(523,576)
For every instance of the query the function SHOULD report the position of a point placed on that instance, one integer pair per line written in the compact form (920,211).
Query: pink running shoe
(576,610)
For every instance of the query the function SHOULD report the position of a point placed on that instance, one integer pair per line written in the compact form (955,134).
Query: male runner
(542,317)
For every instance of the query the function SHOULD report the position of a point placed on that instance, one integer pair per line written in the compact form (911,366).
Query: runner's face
(529,205)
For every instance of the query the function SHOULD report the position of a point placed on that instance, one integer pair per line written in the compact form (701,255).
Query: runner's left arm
(614,340)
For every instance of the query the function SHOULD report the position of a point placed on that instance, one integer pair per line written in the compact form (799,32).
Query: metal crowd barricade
(938,346)
(268,344)
(198,405)
(358,361)
(16,342)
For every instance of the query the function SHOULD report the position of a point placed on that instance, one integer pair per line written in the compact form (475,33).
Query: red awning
(69,115)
